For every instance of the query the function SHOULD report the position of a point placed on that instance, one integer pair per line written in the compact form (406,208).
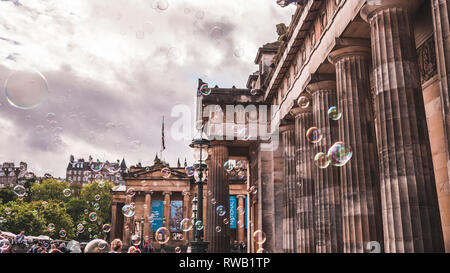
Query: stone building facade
(11,174)
(162,200)
(384,64)
(84,172)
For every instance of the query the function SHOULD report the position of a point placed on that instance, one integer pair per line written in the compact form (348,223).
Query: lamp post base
(199,247)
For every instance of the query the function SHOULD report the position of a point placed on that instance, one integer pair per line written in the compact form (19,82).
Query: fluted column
(241,218)
(113,222)
(360,199)
(441,11)
(304,152)
(219,186)
(147,213)
(327,206)
(289,228)
(167,195)
(411,221)
(127,229)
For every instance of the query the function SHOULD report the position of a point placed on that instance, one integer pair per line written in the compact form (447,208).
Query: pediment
(155,173)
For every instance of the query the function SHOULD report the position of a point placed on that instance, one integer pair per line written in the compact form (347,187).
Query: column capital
(149,192)
(287,127)
(374,6)
(167,193)
(186,193)
(349,51)
(241,196)
(322,85)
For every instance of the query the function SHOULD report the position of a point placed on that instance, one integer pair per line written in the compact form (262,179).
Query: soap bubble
(80,228)
(322,160)
(93,216)
(62,233)
(213,201)
(199,225)
(334,114)
(314,135)
(26,89)
(131,192)
(259,237)
(135,239)
(186,224)
(229,165)
(216,33)
(51,227)
(221,210)
(218,229)
(67,192)
(178,249)
(166,173)
(303,102)
(19,190)
(204,89)
(128,211)
(339,154)
(190,171)
(162,235)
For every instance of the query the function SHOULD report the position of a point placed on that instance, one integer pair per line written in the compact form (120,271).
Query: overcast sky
(115,67)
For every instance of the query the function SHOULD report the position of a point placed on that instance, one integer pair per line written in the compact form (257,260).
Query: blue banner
(233,211)
(245,215)
(157,213)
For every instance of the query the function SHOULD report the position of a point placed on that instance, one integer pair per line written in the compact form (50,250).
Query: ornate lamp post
(200,145)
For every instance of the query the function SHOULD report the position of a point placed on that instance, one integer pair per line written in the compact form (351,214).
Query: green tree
(75,208)
(55,213)
(7,195)
(49,189)
(20,216)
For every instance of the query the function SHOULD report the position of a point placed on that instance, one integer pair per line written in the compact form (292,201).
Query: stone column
(361,203)
(289,208)
(441,11)
(219,186)
(167,195)
(147,213)
(411,220)
(241,217)
(304,152)
(187,212)
(327,208)
(127,229)
(113,222)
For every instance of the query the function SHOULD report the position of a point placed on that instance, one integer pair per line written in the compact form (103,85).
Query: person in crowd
(151,249)
(116,246)
(241,247)
(1,236)
(132,249)
(62,247)
(234,247)
(5,246)
(53,249)
(20,239)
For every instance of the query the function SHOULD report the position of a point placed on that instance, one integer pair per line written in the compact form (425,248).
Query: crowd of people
(240,247)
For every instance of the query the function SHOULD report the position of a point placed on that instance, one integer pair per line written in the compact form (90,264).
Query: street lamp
(200,145)
(142,232)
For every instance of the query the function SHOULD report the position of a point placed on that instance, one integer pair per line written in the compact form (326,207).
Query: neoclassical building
(163,200)
(384,65)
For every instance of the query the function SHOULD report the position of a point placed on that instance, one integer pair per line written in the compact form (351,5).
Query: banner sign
(157,215)
(176,215)
(233,211)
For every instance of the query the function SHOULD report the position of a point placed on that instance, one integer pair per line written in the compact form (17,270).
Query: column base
(199,247)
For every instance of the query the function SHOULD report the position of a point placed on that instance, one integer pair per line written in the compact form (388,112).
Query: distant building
(87,171)
(11,175)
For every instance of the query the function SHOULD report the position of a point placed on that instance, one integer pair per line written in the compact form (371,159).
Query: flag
(163,147)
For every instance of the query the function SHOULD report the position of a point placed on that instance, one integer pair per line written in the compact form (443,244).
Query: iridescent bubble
(62,233)
(199,225)
(218,229)
(135,239)
(240,223)
(226,221)
(303,102)
(35,212)
(128,211)
(314,135)
(241,174)
(204,89)
(216,33)
(253,92)
(96,206)
(96,166)
(80,228)
(229,165)
(162,4)
(261,250)
(106,228)
(243,134)
(86,211)
(19,190)
(239,52)
(44,204)
(259,237)
(97,197)
(190,171)
(50,116)
(131,192)
(2,220)
(166,173)
(51,227)
(213,201)
(162,235)
(186,224)
(334,114)
(339,154)
(74,247)
(7,211)
(322,160)
(93,216)
(101,184)
(26,89)
(178,249)
(67,192)
(220,210)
